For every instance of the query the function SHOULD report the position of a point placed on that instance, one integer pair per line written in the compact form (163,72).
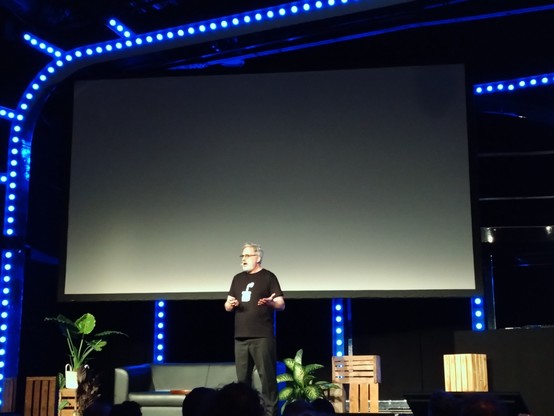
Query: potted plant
(300,382)
(81,342)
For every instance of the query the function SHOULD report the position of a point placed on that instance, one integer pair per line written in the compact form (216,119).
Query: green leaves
(300,382)
(86,323)
(313,392)
(284,377)
(80,339)
(298,374)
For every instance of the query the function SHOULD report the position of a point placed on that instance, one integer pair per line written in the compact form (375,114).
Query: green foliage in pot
(80,338)
(300,382)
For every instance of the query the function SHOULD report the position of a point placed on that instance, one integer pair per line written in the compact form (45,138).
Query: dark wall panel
(518,360)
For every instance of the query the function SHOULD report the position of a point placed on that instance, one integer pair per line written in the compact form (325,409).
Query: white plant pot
(70,378)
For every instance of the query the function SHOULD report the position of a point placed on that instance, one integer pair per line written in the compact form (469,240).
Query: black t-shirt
(251,320)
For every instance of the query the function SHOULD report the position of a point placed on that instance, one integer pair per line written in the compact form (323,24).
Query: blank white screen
(355,182)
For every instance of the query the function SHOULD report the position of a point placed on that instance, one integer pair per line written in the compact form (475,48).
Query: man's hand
(266,301)
(231,303)
(277,303)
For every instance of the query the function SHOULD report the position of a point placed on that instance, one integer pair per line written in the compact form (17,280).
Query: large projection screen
(355,182)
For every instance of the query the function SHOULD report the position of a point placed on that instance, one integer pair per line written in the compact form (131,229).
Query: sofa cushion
(179,376)
(158,398)
(221,374)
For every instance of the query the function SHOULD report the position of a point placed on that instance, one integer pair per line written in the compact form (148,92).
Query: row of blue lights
(207,26)
(477,314)
(159,331)
(338,321)
(7,266)
(9,114)
(515,84)
(5,316)
(120,29)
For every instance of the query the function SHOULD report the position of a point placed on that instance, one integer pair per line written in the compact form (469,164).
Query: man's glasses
(246,256)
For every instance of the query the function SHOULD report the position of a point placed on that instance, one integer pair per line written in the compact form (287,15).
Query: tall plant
(300,382)
(80,339)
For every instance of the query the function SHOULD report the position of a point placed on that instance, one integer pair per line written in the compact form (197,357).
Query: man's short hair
(257,249)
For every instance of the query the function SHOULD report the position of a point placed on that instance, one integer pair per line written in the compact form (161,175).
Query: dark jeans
(262,353)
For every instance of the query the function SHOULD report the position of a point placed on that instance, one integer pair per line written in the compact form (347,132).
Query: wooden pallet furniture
(68,398)
(359,376)
(40,396)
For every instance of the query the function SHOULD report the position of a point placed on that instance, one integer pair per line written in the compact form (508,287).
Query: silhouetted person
(98,408)
(197,401)
(299,407)
(323,406)
(442,403)
(236,399)
(481,404)
(127,408)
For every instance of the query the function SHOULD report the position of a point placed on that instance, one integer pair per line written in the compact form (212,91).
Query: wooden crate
(69,396)
(465,372)
(40,396)
(359,376)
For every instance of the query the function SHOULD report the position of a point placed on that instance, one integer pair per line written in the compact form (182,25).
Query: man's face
(249,259)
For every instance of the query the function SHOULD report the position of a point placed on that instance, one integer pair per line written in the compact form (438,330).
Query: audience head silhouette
(197,401)
(97,408)
(237,399)
(323,406)
(442,403)
(481,404)
(127,408)
(299,408)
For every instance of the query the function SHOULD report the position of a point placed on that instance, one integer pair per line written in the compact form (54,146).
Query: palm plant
(300,382)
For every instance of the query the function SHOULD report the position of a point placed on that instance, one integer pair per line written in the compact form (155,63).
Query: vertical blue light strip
(11,287)
(159,331)
(337,324)
(477,314)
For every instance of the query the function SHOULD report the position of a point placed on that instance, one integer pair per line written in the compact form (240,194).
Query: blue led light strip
(120,29)
(43,46)
(8,114)
(514,84)
(337,327)
(477,314)
(11,283)
(159,332)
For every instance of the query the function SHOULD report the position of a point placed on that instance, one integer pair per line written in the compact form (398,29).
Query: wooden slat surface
(359,375)
(40,396)
(465,372)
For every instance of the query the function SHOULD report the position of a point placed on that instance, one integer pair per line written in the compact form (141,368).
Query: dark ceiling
(512,133)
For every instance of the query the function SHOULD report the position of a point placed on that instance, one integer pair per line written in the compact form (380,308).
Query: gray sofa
(150,385)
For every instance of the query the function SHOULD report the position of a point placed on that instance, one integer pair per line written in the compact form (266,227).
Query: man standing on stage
(254,296)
